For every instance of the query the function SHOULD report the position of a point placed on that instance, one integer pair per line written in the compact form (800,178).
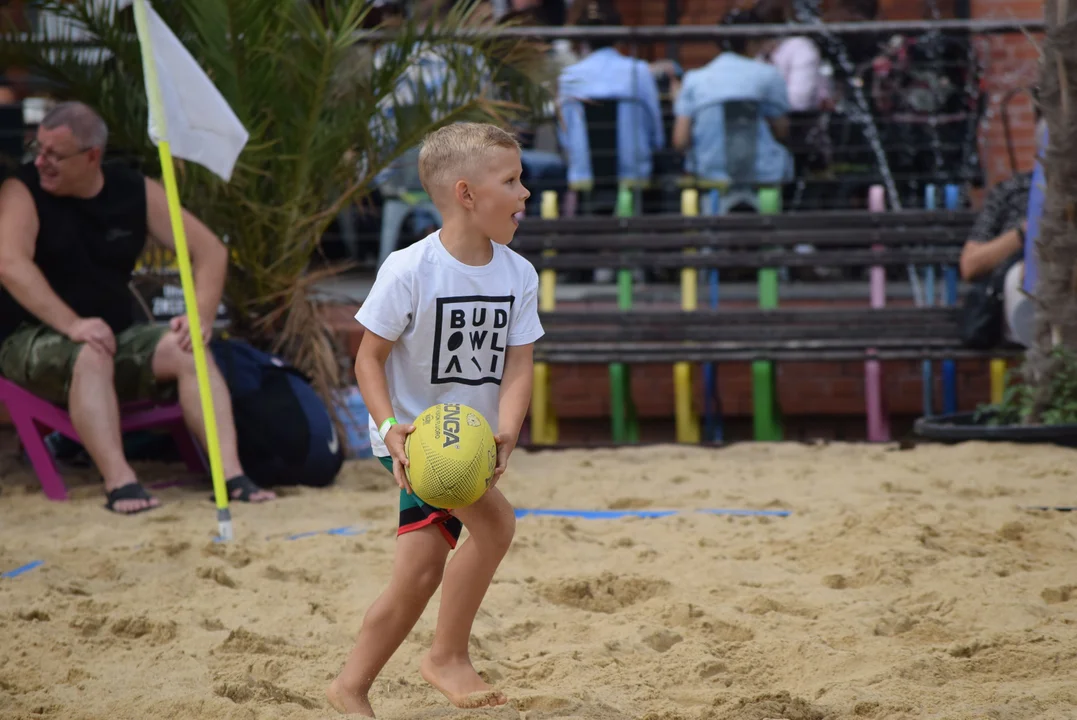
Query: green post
(766,411)
(625,425)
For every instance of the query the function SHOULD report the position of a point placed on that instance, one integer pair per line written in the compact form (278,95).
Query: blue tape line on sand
(618,514)
(346,531)
(24,569)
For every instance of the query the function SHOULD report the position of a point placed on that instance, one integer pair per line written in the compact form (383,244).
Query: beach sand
(904,584)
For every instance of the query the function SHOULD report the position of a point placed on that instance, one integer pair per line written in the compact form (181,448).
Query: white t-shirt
(451,324)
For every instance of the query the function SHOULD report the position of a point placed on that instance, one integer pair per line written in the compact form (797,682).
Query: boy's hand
(505,445)
(394,441)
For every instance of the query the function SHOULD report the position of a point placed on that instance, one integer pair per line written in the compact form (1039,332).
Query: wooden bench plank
(746,240)
(569,355)
(753,316)
(748,260)
(816,220)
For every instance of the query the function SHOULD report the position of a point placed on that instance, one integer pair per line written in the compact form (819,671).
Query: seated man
(733,75)
(606,74)
(71,231)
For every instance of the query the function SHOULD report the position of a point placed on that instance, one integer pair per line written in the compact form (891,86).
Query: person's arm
(370,374)
(19,274)
(515,393)
(513,401)
(775,106)
(209,256)
(572,130)
(682,133)
(683,106)
(802,78)
(980,258)
(384,315)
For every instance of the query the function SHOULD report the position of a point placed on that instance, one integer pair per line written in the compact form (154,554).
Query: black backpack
(284,432)
(981,313)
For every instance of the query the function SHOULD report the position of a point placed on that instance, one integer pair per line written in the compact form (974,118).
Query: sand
(905,584)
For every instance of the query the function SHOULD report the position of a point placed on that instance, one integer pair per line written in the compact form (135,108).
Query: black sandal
(130,491)
(244,485)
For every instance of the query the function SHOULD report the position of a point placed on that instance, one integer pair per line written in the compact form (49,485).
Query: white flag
(199,125)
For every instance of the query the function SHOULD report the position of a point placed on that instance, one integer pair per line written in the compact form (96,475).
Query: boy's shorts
(415,514)
(41,360)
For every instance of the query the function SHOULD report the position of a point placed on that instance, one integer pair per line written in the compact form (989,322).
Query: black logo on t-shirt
(470,337)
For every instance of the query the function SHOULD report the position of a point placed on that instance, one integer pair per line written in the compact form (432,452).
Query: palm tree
(1048,366)
(324,118)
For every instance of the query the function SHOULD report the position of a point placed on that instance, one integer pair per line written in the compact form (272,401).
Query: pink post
(878,422)
(572,200)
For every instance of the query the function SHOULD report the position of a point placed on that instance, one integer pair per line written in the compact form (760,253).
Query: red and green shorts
(415,514)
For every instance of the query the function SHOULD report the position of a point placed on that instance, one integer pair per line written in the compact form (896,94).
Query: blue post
(929,297)
(712,406)
(949,367)
(953,196)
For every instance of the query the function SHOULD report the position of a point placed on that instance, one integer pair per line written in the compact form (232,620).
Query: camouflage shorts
(41,360)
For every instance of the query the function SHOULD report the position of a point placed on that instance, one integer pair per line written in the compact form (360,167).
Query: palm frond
(327,108)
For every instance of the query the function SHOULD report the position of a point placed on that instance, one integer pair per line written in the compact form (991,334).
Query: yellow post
(687,422)
(543,418)
(183,259)
(998,380)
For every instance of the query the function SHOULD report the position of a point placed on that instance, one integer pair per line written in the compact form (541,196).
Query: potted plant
(323,118)
(1028,413)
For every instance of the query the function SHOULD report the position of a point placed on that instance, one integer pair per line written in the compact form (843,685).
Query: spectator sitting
(606,74)
(797,57)
(71,231)
(997,236)
(733,75)
(997,244)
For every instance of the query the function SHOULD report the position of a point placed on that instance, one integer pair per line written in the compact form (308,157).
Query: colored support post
(927,370)
(623,420)
(543,417)
(766,414)
(878,422)
(686,421)
(714,425)
(998,380)
(949,367)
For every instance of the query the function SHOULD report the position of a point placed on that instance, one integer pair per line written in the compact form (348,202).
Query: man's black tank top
(86,248)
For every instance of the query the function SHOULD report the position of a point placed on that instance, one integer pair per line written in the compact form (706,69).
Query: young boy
(452,318)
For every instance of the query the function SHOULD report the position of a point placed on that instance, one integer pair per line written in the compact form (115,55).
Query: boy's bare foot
(458,681)
(348,703)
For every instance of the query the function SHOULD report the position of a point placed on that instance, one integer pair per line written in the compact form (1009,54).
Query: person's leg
(82,378)
(491,523)
(95,413)
(417,571)
(171,363)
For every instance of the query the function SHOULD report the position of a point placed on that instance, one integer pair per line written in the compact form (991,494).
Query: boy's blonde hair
(455,150)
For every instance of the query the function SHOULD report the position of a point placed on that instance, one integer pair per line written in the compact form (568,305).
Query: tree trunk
(1056,247)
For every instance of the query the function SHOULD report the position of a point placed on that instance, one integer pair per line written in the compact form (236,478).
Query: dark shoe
(130,491)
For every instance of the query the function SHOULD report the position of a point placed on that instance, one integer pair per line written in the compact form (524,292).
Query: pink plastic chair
(35,418)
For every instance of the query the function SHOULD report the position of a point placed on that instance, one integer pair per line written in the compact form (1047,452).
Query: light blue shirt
(605,75)
(1035,213)
(733,77)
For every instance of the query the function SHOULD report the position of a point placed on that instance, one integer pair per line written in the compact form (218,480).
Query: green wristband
(384,429)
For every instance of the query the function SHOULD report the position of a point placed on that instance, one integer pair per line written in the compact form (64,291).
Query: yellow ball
(452,456)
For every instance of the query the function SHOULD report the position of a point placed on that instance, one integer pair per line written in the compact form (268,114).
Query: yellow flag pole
(175,211)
